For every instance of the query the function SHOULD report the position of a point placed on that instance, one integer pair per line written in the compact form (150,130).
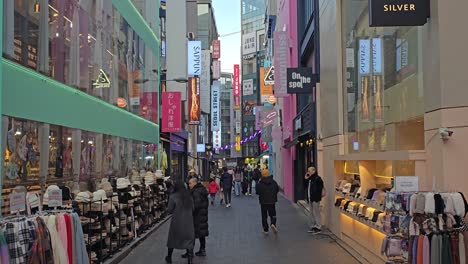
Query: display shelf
(364,221)
(366,202)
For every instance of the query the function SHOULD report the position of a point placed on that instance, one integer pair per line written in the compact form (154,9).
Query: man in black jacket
(200,213)
(267,190)
(226,185)
(257,174)
(315,192)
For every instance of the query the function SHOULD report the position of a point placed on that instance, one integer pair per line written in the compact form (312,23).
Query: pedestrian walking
(213,189)
(315,193)
(267,190)
(200,213)
(238,181)
(218,182)
(181,231)
(257,174)
(226,184)
(248,178)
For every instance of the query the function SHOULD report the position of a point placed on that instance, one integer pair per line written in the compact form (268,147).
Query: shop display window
(383,92)
(88,46)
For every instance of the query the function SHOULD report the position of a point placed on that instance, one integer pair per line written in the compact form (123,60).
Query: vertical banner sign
(237,103)
(216,44)
(265,89)
(216,68)
(149,106)
(194,101)
(215,106)
(364,78)
(377,64)
(238,144)
(171,112)
(281,44)
(205,82)
(258,121)
(135,88)
(217,139)
(194,58)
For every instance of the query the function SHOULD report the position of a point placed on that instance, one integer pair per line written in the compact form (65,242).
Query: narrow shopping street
(236,237)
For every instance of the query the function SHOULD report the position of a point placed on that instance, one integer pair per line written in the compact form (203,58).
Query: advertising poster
(247,87)
(171,112)
(236,87)
(248,107)
(205,82)
(265,90)
(364,78)
(149,106)
(134,93)
(377,63)
(194,100)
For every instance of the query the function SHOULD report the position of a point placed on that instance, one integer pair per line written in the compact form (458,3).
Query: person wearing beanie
(267,191)
(315,193)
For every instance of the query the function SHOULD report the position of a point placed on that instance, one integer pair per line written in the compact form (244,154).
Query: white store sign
(194,58)
(249,43)
(205,82)
(247,87)
(215,106)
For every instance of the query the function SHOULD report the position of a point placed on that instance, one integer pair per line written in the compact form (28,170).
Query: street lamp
(179,80)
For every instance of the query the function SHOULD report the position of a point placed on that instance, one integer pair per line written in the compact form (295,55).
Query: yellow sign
(102,80)
(238,144)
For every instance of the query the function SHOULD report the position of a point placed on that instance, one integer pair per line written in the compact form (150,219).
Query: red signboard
(194,100)
(236,84)
(171,112)
(149,106)
(216,49)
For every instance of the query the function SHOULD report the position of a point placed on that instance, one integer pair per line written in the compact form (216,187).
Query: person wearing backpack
(315,193)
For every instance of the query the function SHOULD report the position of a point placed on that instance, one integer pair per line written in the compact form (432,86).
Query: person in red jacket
(213,188)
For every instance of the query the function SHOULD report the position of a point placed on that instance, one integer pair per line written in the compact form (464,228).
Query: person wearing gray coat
(181,232)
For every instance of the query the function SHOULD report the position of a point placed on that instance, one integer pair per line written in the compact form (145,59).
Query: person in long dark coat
(200,214)
(181,232)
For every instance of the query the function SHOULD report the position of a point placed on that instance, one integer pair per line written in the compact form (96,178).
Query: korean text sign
(171,112)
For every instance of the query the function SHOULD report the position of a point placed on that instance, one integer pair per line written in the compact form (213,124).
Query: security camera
(445,133)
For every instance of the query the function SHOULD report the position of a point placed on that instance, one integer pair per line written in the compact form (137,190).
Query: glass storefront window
(383,92)
(87,45)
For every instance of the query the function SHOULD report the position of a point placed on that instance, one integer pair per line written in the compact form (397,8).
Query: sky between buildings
(228,16)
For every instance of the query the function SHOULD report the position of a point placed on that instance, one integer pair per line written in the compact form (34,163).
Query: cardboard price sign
(17,202)
(55,198)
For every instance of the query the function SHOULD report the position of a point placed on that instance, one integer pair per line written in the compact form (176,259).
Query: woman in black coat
(200,214)
(181,232)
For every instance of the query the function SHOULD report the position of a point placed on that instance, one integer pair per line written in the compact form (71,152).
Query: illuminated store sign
(102,80)
(391,13)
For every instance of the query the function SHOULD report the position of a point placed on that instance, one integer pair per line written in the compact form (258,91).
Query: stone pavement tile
(235,237)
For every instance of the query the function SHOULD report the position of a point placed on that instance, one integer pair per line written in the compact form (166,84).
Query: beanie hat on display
(45,200)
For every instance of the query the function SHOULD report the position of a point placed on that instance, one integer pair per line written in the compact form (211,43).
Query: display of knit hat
(149,178)
(83,197)
(99,196)
(66,193)
(123,183)
(107,187)
(347,188)
(45,200)
(159,174)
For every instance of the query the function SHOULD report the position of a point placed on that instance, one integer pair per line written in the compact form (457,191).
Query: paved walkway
(236,237)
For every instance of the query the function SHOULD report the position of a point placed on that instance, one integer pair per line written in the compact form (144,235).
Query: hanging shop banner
(395,13)
(217,139)
(301,80)
(171,112)
(216,68)
(248,107)
(205,82)
(247,87)
(194,100)
(377,66)
(134,92)
(249,43)
(194,62)
(236,84)
(281,44)
(215,106)
(364,92)
(265,90)
(258,112)
(238,143)
(149,106)
(216,44)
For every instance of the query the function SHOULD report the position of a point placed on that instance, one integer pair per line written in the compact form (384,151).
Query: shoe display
(274,228)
